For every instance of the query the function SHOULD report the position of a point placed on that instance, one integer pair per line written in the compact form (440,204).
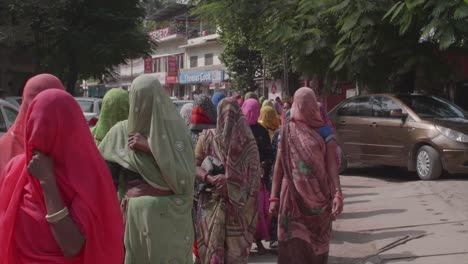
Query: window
(11,114)
(193,61)
(432,107)
(157,65)
(86,106)
(180,61)
(385,107)
(209,59)
(356,107)
(3,126)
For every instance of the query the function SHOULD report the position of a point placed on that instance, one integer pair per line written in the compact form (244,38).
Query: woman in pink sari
(12,143)
(307,172)
(251,109)
(58,204)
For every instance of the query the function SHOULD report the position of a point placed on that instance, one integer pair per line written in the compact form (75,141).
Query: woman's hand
(220,182)
(337,206)
(274,206)
(41,167)
(138,142)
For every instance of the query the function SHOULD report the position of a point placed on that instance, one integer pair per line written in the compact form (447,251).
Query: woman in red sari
(12,143)
(58,204)
(311,195)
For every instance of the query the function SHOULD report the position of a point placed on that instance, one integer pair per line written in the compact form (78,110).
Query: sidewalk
(395,222)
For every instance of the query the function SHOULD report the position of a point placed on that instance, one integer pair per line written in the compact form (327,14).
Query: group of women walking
(151,185)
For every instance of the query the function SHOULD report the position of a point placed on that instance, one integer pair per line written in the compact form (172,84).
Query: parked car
(91,108)
(8,114)
(423,133)
(15,100)
(180,103)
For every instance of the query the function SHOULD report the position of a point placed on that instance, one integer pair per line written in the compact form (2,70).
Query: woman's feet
(260,248)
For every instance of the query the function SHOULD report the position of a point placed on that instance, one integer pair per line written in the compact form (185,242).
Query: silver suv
(8,114)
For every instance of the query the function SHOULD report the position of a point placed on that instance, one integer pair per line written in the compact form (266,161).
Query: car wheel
(428,164)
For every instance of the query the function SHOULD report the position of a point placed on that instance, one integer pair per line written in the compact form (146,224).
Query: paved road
(392,217)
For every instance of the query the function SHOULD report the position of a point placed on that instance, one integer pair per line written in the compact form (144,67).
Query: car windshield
(433,107)
(86,106)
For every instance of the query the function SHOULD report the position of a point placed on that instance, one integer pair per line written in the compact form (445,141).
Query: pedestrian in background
(251,109)
(186,113)
(114,109)
(311,194)
(250,95)
(269,120)
(228,163)
(154,152)
(57,201)
(203,116)
(12,143)
(217,97)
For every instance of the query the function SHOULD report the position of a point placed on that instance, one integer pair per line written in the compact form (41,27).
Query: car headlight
(452,134)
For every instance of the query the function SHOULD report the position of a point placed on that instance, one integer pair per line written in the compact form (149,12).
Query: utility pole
(265,89)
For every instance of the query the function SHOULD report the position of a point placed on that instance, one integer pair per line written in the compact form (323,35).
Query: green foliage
(377,43)
(76,38)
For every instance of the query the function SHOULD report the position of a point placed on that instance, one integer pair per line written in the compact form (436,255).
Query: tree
(403,41)
(241,30)
(76,39)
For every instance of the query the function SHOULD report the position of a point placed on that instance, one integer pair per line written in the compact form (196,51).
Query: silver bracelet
(58,216)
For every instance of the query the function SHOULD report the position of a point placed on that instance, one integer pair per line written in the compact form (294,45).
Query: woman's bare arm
(65,231)
(332,166)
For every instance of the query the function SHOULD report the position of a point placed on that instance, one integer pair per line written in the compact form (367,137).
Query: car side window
(3,125)
(384,107)
(356,107)
(11,114)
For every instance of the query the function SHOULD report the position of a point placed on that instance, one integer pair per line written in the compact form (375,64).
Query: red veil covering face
(56,127)
(12,143)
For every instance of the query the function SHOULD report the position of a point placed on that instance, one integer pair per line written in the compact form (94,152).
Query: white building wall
(215,48)
(170,47)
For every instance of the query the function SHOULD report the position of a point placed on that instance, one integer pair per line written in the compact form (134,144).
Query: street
(392,217)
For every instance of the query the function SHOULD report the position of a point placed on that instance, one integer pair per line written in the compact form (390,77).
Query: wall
(215,48)
(169,48)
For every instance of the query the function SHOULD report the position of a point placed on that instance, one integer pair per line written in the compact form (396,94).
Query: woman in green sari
(114,109)
(153,153)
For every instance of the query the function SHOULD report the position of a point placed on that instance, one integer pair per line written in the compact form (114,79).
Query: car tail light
(93,121)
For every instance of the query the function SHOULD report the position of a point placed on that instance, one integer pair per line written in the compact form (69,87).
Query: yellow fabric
(269,120)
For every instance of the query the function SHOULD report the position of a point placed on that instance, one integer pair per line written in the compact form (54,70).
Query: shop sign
(202,77)
(148,65)
(160,33)
(172,65)
(171,79)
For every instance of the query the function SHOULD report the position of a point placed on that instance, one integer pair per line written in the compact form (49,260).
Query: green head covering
(114,109)
(152,114)
(251,95)
(261,100)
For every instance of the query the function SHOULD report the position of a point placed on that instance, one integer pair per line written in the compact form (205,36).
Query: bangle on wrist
(58,216)
(339,196)
(274,199)
(205,176)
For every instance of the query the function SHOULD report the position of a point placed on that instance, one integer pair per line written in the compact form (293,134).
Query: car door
(353,128)
(391,131)
(3,124)
(10,115)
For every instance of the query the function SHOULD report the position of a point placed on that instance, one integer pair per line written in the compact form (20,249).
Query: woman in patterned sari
(307,172)
(153,153)
(227,210)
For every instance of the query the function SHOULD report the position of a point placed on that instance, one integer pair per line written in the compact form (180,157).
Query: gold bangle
(58,216)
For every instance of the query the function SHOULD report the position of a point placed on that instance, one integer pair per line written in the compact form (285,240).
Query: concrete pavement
(392,217)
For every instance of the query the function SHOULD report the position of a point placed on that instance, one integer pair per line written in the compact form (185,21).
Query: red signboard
(148,65)
(171,79)
(172,66)
(160,33)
